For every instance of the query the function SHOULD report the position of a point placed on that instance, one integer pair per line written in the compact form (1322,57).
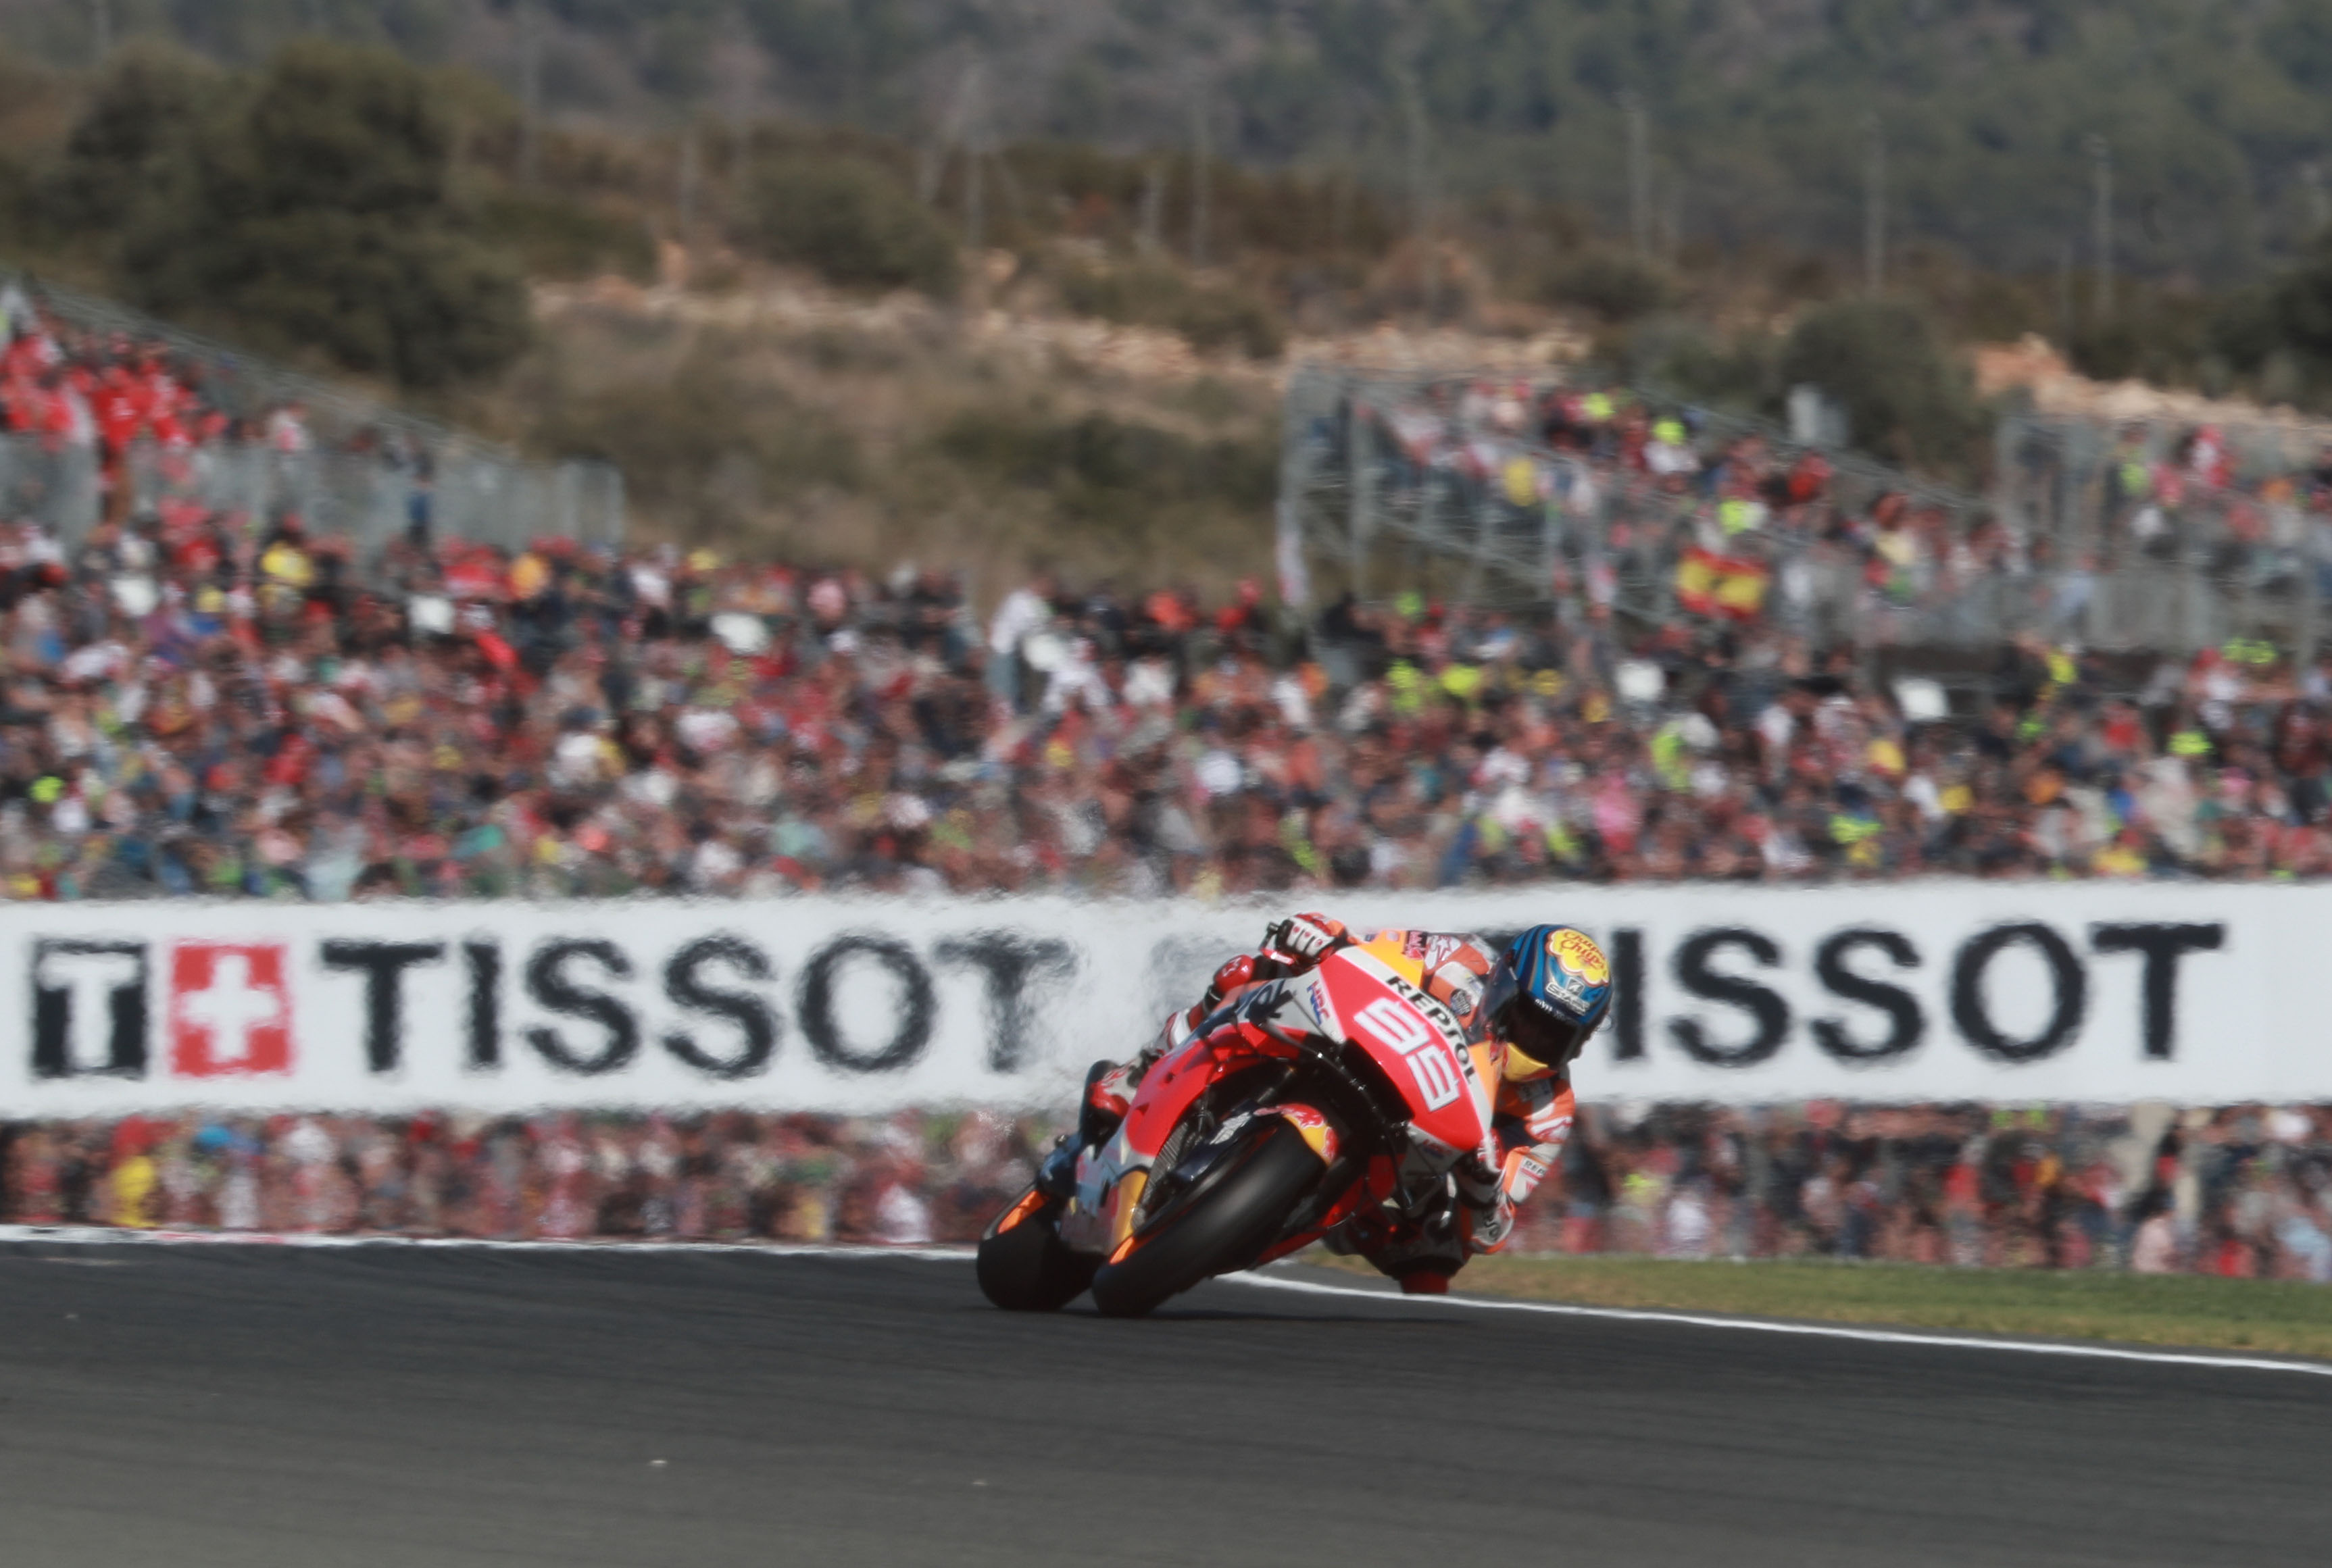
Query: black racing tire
(1024,1266)
(1223,1228)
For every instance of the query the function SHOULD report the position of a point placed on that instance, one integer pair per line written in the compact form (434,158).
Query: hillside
(1755,112)
(870,344)
(876,430)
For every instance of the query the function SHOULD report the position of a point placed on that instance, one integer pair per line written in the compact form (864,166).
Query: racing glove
(1306,938)
(1289,946)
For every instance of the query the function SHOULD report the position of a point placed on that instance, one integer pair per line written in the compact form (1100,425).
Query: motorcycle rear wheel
(1023,1266)
(1222,1227)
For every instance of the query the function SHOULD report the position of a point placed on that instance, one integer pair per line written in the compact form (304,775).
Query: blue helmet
(1551,990)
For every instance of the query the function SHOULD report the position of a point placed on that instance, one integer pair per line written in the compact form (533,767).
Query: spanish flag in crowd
(1709,583)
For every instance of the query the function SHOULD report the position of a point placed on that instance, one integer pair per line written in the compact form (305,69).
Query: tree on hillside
(1905,399)
(127,158)
(307,210)
(2286,321)
(850,221)
(1756,108)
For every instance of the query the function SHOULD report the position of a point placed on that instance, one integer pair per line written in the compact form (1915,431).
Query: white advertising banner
(1924,991)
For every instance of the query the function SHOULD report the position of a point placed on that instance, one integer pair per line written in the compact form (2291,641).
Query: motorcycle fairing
(1260,1020)
(1110,1179)
(1413,1038)
(1314,1129)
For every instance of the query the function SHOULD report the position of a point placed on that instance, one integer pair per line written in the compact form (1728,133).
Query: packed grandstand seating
(198,702)
(222,703)
(2240,500)
(2123,535)
(2245,1191)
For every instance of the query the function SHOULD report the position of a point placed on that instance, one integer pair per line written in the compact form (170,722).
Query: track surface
(267,1407)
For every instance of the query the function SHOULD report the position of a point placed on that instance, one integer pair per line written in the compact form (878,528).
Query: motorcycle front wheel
(1223,1225)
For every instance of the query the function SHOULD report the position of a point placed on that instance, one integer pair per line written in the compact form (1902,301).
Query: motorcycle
(1342,1094)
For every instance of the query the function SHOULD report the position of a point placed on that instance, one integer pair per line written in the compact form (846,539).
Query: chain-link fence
(52,484)
(360,469)
(370,496)
(2174,533)
(1394,482)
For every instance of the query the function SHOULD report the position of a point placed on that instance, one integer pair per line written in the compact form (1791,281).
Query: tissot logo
(865,1005)
(88,1008)
(230,1009)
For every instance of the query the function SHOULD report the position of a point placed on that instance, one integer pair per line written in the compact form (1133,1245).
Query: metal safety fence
(55,485)
(365,495)
(1391,483)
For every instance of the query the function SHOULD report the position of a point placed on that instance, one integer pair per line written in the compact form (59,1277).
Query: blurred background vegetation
(1755,112)
(370,187)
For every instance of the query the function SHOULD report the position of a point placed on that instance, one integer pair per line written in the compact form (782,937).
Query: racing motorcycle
(1344,1093)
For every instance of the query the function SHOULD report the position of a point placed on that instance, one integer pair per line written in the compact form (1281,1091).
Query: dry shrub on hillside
(705,452)
(849,220)
(1214,316)
(847,442)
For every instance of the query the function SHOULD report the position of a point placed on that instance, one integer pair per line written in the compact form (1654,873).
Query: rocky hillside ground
(990,437)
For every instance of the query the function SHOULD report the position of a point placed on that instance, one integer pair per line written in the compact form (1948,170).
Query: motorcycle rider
(1534,1003)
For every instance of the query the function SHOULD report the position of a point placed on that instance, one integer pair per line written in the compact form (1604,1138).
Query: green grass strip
(2283,1316)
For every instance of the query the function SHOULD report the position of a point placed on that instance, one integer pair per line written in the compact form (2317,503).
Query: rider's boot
(1420,1258)
(1109,1090)
(1056,1177)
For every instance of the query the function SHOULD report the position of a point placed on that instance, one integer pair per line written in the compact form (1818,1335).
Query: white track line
(106,1236)
(1816,1330)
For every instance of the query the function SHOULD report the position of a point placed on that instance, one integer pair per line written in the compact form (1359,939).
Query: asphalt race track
(262,1407)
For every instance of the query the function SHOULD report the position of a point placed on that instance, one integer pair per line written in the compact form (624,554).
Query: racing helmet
(1552,989)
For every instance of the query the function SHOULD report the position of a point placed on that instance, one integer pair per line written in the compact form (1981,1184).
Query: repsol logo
(1876,975)
(583,1006)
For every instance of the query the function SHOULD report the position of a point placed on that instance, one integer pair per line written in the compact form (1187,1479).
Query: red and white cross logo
(230,1009)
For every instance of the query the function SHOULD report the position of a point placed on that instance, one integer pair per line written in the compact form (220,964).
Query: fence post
(1485,500)
(1360,490)
(2310,563)
(84,500)
(2194,599)
(568,515)
(1550,543)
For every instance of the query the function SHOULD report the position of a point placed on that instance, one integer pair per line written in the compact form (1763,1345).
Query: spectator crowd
(197,701)
(192,703)
(2244,1192)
